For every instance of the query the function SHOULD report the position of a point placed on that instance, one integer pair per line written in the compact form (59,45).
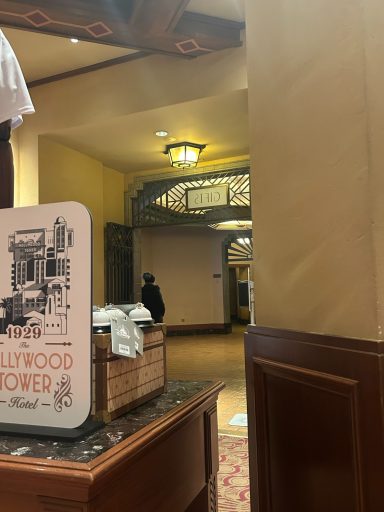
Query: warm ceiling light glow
(161,133)
(237,225)
(184,155)
(243,241)
(74,40)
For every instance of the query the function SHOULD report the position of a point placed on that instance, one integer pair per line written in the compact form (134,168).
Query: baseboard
(196,329)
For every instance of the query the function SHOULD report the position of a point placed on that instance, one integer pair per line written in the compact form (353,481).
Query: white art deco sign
(207,197)
(45,315)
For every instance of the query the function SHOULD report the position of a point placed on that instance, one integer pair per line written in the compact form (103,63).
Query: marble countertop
(91,446)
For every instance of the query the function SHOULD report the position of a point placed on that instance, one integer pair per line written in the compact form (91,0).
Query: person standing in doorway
(152,299)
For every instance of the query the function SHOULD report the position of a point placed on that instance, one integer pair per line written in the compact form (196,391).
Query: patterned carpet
(233,480)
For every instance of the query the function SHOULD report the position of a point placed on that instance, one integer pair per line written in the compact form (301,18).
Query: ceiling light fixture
(161,133)
(184,154)
(233,225)
(74,40)
(243,241)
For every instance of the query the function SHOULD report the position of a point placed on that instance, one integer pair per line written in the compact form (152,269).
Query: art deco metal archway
(163,202)
(239,247)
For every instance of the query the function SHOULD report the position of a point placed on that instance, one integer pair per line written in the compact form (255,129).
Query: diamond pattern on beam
(190,46)
(37,18)
(98,29)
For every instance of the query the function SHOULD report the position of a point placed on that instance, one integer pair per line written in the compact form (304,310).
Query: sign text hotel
(207,197)
(45,315)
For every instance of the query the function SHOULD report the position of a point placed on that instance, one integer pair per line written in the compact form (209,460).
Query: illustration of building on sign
(40,278)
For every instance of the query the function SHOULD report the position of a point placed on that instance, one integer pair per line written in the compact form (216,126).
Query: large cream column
(316,103)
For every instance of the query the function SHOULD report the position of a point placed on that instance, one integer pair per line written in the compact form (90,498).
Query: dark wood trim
(361,345)
(187,330)
(158,26)
(211,436)
(328,384)
(214,20)
(61,505)
(192,21)
(315,421)
(177,15)
(89,69)
(136,9)
(129,476)
(157,16)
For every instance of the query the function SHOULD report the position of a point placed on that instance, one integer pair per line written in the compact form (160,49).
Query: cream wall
(316,117)
(96,97)
(184,259)
(68,175)
(118,91)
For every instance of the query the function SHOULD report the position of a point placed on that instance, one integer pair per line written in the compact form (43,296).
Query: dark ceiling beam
(157,26)
(157,16)
(195,25)
(88,69)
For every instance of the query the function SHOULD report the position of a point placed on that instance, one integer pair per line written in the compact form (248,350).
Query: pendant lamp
(184,155)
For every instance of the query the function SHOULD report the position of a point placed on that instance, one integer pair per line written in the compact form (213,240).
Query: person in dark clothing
(151,298)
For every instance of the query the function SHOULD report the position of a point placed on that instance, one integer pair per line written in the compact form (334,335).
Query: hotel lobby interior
(282,104)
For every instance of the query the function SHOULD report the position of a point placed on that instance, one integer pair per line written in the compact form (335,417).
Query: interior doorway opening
(239,294)
(237,277)
(204,275)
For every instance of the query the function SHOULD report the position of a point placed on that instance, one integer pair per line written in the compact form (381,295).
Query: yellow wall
(49,171)
(113,187)
(16,166)
(68,175)
(195,255)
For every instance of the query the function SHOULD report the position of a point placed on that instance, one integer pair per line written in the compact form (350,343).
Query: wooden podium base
(168,465)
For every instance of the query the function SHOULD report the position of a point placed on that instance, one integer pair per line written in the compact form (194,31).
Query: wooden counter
(167,465)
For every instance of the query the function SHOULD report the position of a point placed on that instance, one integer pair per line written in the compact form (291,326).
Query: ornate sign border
(45,307)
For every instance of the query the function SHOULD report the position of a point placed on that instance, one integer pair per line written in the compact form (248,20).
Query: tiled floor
(213,357)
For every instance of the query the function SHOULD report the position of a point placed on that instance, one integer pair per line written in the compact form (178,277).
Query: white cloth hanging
(15,100)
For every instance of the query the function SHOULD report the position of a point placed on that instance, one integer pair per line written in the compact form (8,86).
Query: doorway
(239,294)
(237,277)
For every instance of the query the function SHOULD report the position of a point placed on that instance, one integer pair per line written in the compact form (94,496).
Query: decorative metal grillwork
(240,247)
(119,263)
(164,202)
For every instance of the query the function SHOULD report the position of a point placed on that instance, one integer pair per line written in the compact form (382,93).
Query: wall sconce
(184,154)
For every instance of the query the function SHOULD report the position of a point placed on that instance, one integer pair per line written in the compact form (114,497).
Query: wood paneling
(315,422)
(148,25)
(61,505)
(157,15)
(188,330)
